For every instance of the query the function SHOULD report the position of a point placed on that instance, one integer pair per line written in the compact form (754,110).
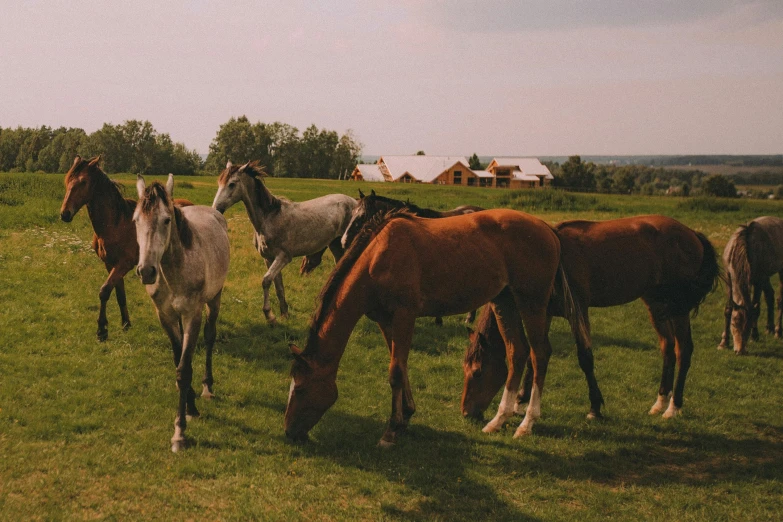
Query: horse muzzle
(148,274)
(66,216)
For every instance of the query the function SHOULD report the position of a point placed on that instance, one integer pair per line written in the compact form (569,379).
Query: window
(458,177)
(471,182)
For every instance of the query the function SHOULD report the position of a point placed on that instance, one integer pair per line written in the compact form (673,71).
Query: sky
(495,77)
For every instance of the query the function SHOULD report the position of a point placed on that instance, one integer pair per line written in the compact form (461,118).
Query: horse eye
(167,221)
(231,185)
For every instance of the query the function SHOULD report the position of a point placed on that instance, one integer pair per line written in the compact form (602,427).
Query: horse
(373,204)
(670,267)
(394,272)
(183,262)
(753,254)
(114,237)
(284,229)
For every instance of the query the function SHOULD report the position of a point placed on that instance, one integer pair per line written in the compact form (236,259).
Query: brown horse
(753,254)
(114,238)
(394,272)
(653,258)
(371,205)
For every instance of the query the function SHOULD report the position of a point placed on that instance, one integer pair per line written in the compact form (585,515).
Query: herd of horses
(393,265)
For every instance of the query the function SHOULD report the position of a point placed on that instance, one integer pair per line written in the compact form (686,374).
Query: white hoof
(591,416)
(523,431)
(659,406)
(672,411)
(492,427)
(177,444)
(206,394)
(385,444)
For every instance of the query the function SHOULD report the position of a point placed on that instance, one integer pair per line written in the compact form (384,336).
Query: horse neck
(256,210)
(336,324)
(103,214)
(171,263)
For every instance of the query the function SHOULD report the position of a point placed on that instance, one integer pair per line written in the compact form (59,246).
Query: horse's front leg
(119,292)
(115,275)
(398,334)
(724,339)
(536,325)
(170,321)
(769,299)
(191,326)
(779,327)
(210,333)
(756,310)
(517,352)
(684,351)
(274,269)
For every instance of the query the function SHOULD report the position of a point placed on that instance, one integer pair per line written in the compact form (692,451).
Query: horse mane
(106,190)
(407,205)
(739,261)
(325,300)
(265,199)
(149,201)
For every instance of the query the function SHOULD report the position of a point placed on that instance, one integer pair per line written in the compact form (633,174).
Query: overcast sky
(541,77)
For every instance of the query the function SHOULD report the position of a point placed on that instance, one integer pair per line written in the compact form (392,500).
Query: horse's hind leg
(536,326)
(517,351)
(309,263)
(769,299)
(191,328)
(119,292)
(115,276)
(470,317)
(275,269)
(210,333)
(585,355)
(664,328)
(724,339)
(779,327)
(756,307)
(684,351)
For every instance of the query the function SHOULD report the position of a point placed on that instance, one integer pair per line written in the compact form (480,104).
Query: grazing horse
(284,229)
(373,204)
(114,238)
(609,263)
(394,272)
(183,262)
(753,254)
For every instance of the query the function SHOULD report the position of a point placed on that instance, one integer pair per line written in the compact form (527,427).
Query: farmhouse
(454,170)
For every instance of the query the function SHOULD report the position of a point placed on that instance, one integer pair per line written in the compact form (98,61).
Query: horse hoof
(594,415)
(740,352)
(206,393)
(177,444)
(126,326)
(721,346)
(490,428)
(284,316)
(103,335)
(522,431)
(385,444)
(189,417)
(671,413)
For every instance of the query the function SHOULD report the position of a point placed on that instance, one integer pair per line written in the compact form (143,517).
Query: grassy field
(85,426)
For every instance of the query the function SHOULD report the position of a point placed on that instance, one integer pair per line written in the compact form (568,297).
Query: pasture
(85,426)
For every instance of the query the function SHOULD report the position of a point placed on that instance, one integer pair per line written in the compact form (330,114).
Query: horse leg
(191,328)
(724,340)
(470,317)
(439,321)
(210,333)
(684,350)
(115,275)
(173,327)
(400,333)
(280,291)
(512,332)
(119,292)
(273,270)
(769,299)
(665,330)
(779,327)
(527,386)
(756,307)
(536,325)
(585,355)
(309,263)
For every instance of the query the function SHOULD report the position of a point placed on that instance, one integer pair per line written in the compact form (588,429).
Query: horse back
(766,245)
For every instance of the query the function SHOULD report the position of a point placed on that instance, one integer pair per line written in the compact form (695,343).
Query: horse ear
(229,165)
(94,161)
(140,185)
(361,194)
(372,192)
(471,333)
(77,160)
(170,185)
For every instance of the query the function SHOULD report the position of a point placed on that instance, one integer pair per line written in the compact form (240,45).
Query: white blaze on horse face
(356,214)
(228,193)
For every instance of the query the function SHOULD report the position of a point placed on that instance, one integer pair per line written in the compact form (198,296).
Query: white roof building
(370,172)
(421,168)
(529,169)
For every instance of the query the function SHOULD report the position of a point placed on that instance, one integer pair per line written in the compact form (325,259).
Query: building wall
(448,176)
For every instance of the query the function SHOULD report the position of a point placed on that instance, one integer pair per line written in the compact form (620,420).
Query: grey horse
(284,229)
(753,254)
(183,262)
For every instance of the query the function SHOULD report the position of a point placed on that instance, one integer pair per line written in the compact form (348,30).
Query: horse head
(153,218)
(484,366)
(313,391)
(79,186)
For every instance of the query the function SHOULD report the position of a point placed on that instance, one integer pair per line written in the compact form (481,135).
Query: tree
(576,174)
(624,180)
(719,186)
(420,153)
(240,141)
(474,163)
(346,156)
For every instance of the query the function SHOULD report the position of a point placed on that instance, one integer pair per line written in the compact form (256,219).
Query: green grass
(85,426)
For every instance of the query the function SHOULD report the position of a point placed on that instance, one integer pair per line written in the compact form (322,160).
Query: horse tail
(707,279)
(572,309)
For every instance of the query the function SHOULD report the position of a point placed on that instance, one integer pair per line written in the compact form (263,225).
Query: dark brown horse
(394,272)
(373,205)
(114,238)
(753,254)
(653,258)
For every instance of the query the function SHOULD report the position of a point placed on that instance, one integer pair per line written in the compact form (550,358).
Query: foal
(284,229)
(183,262)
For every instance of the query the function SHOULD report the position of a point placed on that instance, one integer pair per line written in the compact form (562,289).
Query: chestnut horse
(753,254)
(609,263)
(114,238)
(373,204)
(395,272)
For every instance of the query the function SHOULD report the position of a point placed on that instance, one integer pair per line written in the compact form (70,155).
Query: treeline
(136,147)
(575,174)
(773,160)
